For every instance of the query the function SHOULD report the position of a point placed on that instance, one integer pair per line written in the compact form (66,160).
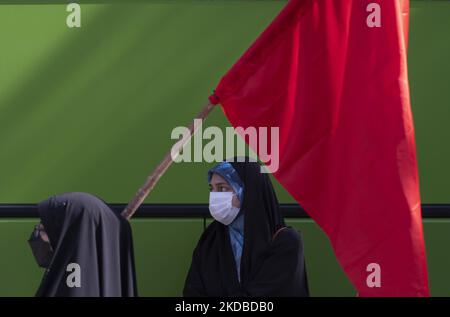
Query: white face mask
(221,207)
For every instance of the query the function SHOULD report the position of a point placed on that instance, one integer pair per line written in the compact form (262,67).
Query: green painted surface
(325,276)
(19,272)
(429,73)
(437,238)
(92,109)
(163,249)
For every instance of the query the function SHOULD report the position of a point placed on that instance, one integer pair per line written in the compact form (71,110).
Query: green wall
(429,74)
(92,109)
(163,249)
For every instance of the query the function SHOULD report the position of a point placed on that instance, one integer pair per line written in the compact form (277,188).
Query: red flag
(332,75)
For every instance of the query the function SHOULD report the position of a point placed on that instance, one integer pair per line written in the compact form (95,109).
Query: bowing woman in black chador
(247,250)
(86,248)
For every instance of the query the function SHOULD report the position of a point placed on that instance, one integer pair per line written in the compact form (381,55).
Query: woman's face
(42,232)
(219,184)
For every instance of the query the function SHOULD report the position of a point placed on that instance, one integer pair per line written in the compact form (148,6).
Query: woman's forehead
(216,178)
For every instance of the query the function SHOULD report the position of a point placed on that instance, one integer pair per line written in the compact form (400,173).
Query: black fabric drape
(84,230)
(269,267)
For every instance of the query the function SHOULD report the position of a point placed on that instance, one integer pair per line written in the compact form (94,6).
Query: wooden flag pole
(153,178)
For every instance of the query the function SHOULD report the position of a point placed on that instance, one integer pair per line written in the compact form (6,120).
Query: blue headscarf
(227,171)
(236,228)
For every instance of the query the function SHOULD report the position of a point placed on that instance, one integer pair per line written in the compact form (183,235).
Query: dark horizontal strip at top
(196,211)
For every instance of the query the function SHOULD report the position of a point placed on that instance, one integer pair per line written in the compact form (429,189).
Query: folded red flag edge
(337,87)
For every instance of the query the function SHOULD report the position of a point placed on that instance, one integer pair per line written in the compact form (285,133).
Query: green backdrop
(92,109)
(163,249)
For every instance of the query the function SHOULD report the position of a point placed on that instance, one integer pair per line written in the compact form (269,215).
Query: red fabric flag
(332,75)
